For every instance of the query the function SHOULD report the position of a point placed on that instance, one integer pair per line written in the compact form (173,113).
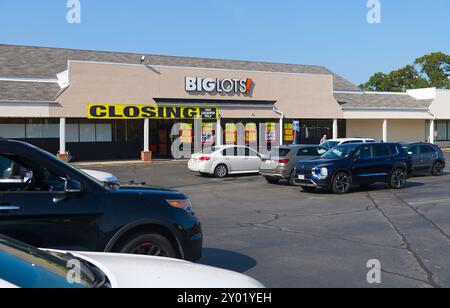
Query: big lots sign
(214,85)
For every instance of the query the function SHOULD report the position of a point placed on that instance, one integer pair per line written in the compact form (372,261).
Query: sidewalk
(127,162)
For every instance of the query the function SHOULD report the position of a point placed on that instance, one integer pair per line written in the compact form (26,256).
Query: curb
(127,163)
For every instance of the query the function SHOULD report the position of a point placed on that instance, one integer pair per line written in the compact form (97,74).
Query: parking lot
(286,238)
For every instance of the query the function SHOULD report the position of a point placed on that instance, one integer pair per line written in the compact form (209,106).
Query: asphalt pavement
(287,238)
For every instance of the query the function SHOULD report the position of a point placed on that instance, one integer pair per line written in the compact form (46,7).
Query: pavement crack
(406,277)
(430,279)
(432,223)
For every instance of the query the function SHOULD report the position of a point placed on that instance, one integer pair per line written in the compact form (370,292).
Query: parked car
(329,144)
(24,266)
(225,160)
(280,162)
(356,164)
(426,158)
(60,207)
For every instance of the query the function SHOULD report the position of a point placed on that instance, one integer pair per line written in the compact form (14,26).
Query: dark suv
(47,203)
(356,164)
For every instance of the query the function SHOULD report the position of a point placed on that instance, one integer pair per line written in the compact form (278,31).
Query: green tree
(436,67)
(432,70)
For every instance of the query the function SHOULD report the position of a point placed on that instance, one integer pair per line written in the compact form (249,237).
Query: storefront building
(100,105)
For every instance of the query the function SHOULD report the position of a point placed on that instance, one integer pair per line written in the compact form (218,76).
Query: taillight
(205,158)
(284,161)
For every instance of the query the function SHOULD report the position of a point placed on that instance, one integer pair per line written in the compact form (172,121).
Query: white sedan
(23,266)
(225,160)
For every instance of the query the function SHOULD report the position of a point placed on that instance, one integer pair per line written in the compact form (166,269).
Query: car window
(230,152)
(250,153)
(279,152)
(340,152)
(330,144)
(426,149)
(13,172)
(307,152)
(381,150)
(364,152)
(414,150)
(39,179)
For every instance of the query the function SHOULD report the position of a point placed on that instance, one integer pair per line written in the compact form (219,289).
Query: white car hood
(132,271)
(101,176)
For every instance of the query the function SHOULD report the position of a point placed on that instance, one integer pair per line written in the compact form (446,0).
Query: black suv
(47,203)
(356,164)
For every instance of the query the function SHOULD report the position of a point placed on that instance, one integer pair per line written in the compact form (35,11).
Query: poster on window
(207,134)
(289,132)
(230,133)
(251,133)
(186,133)
(271,132)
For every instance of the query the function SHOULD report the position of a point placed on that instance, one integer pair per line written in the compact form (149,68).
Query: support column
(385,130)
(146,154)
(335,129)
(432,139)
(281,130)
(219,132)
(62,154)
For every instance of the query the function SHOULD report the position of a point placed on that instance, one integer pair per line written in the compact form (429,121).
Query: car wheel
(308,189)
(398,179)
(341,183)
(292,180)
(438,169)
(221,171)
(272,180)
(148,244)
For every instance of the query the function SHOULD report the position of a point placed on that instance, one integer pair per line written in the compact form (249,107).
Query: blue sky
(325,32)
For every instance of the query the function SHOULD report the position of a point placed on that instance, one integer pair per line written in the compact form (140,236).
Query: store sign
(289,132)
(209,85)
(271,132)
(130,112)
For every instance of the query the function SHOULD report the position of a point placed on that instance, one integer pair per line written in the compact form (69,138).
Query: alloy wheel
(398,178)
(438,168)
(221,171)
(342,183)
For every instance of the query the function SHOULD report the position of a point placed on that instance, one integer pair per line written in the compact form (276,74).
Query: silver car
(281,161)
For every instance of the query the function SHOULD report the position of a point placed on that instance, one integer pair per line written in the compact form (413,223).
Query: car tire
(341,183)
(272,180)
(398,178)
(148,244)
(438,169)
(308,189)
(221,171)
(292,180)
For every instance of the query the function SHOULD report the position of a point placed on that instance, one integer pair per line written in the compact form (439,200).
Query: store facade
(98,105)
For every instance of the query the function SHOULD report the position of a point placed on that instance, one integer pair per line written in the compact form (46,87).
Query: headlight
(320,173)
(181,204)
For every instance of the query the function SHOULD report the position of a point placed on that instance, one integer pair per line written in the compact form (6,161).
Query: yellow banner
(134,112)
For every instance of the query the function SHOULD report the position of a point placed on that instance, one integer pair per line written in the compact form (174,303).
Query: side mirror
(72,186)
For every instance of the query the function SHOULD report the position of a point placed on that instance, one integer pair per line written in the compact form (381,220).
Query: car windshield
(28,267)
(341,151)
(330,144)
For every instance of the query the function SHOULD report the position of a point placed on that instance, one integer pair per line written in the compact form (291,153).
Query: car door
(417,157)
(429,156)
(51,217)
(252,160)
(363,165)
(230,155)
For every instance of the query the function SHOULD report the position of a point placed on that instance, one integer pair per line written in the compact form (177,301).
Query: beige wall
(25,110)
(298,96)
(398,130)
(441,105)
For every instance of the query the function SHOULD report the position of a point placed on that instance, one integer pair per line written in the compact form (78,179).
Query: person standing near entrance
(324,139)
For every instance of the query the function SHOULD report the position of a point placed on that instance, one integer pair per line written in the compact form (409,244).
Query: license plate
(301,177)
(269,162)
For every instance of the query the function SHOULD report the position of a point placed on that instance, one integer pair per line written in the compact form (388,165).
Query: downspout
(276,110)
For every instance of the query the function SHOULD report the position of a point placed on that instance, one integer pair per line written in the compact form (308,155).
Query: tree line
(432,70)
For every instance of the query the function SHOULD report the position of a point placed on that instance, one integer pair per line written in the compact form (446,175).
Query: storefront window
(42,128)
(11,128)
(442,130)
